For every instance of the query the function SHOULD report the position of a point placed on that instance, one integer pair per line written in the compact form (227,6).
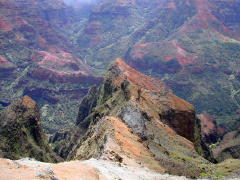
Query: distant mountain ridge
(192,45)
(54,53)
(37,59)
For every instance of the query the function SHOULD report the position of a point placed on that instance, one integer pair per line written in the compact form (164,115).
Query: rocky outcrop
(134,119)
(229,147)
(178,41)
(21,132)
(88,103)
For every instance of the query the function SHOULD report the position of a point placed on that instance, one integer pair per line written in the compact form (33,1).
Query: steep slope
(192,45)
(229,147)
(21,132)
(130,124)
(136,120)
(52,52)
(211,133)
(37,59)
(200,61)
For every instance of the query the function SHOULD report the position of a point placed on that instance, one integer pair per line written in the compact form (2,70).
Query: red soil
(177,52)
(50,74)
(138,78)
(171,5)
(168,58)
(204,20)
(130,145)
(47,58)
(5,25)
(27,101)
(182,55)
(3,60)
(209,125)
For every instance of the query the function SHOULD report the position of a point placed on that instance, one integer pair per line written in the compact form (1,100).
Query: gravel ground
(114,171)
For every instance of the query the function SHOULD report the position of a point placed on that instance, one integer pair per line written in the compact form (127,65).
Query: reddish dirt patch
(5,64)
(20,21)
(27,101)
(49,74)
(42,41)
(142,45)
(171,5)
(138,78)
(138,54)
(204,19)
(3,61)
(182,55)
(209,127)
(187,60)
(52,59)
(130,145)
(180,104)
(168,58)
(207,123)
(175,51)
(60,66)
(59,60)
(5,25)
(180,51)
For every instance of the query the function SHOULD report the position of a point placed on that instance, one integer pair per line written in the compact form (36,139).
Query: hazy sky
(70,2)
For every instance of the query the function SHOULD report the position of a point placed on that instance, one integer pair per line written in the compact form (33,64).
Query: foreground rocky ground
(29,169)
(93,169)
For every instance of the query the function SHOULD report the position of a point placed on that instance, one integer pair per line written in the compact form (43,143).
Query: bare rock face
(135,119)
(21,132)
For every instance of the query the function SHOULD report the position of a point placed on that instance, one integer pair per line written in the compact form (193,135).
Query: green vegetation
(223,169)
(21,133)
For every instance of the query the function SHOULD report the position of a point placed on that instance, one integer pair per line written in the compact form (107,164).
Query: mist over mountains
(74,2)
